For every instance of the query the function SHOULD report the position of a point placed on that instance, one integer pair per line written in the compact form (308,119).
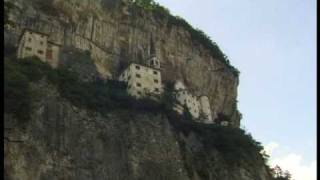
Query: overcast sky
(273,44)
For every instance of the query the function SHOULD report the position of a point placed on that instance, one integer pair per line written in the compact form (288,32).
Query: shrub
(235,144)
(16,92)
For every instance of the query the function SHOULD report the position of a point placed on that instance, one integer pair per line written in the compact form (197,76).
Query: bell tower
(153,61)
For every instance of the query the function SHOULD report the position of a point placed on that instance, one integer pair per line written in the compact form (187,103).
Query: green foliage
(98,95)
(278,174)
(16,92)
(235,144)
(186,115)
(8,6)
(168,97)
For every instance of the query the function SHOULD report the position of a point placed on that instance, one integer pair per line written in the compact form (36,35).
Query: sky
(273,44)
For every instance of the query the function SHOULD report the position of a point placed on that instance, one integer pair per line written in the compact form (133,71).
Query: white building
(185,98)
(143,80)
(33,43)
(194,104)
(205,108)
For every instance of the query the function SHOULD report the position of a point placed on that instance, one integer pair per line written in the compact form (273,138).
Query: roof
(54,43)
(31,30)
(131,63)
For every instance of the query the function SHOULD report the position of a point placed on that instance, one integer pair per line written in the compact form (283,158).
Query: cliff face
(61,141)
(116,33)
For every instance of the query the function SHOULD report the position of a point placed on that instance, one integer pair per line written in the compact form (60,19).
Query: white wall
(33,44)
(142,80)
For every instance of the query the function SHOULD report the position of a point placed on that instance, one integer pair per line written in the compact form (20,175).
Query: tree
(186,114)
(168,96)
(279,174)
(7,8)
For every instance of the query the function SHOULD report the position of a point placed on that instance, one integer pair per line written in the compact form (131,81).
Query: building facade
(142,80)
(195,105)
(34,43)
(205,108)
(184,98)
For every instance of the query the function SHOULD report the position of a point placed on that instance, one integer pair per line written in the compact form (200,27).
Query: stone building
(143,80)
(33,43)
(52,53)
(185,98)
(195,105)
(205,108)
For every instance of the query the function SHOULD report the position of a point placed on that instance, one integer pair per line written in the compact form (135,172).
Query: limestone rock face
(62,141)
(114,31)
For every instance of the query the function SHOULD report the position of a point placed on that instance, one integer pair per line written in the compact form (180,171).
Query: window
(156,89)
(29,39)
(41,42)
(156,80)
(138,75)
(138,85)
(155,72)
(129,86)
(40,51)
(139,92)
(28,48)
(49,54)
(129,77)
(137,67)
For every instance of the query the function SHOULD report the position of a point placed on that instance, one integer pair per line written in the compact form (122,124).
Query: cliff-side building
(143,80)
(205,108)
(52,53)
(33,43)
(195,105)
(185,98)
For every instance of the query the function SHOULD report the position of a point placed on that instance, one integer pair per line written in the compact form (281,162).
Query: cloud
(293,163)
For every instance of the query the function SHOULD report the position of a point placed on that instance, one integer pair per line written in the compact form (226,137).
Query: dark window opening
(138,75)
(49,54)
(155,72)
(29,39)
(40,51)
(139,92)
(156,89)
(28,48)
(138,84)
(41,42)
(137,67)
(156,81)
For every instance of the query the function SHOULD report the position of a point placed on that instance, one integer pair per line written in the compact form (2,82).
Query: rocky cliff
(73,131)
(116,32)
(63,141)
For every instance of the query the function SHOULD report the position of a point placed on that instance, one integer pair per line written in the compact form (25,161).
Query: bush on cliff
(235,144)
